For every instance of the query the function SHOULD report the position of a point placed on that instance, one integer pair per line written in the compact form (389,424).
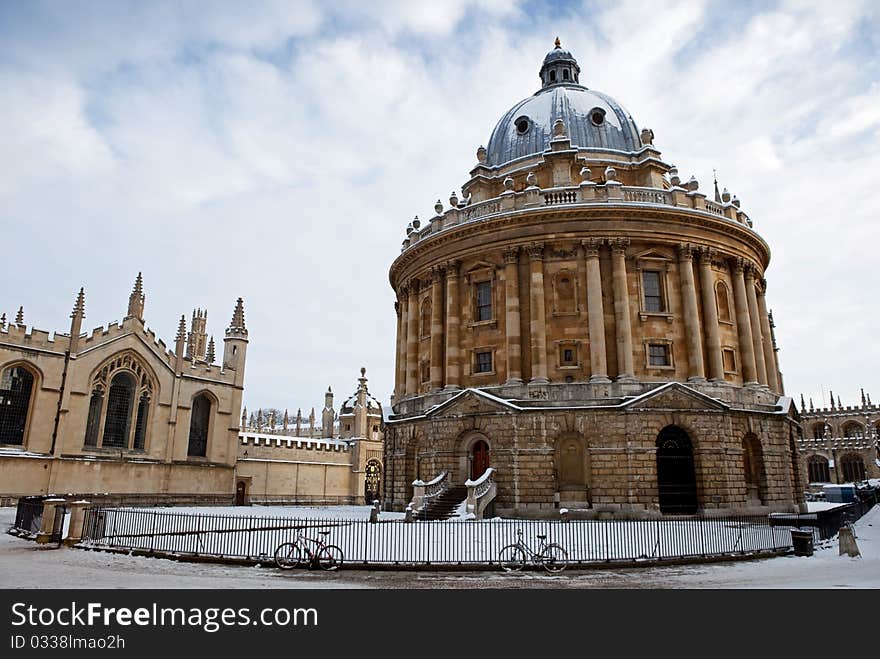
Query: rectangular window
(658,355)
(568,357)
(484,301)
(729,358)
(652,291)
(484,362)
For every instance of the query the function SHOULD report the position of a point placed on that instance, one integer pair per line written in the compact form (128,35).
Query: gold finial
(558,43)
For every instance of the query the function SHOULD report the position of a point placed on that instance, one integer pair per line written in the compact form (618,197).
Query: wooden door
(479,459)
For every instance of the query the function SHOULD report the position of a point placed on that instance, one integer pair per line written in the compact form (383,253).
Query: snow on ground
(23,564)
(816,506)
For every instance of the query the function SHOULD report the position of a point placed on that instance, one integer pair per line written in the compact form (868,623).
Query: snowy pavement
(23,564)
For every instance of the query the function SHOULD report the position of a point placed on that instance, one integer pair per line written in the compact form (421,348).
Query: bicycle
(289,555)
(552,556)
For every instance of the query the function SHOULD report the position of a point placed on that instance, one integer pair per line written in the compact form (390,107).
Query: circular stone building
(590,326)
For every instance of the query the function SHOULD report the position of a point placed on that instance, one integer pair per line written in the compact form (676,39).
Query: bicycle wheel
(512,558)
(330,557)
(288,555)
(554,558)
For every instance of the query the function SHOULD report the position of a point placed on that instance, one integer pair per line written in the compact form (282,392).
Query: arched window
(120,400)
(817,469)
(119,405)
(565,74)
(853,468)
(818,430)
(853,430)
(553,76)
(372,480)
(16,386)
(199,423)
(723,301)
(563,285)
(425,325)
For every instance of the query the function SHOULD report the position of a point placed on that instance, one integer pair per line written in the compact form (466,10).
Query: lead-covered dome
(593,120)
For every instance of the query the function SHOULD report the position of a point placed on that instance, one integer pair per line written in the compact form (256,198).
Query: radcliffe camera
(462,296)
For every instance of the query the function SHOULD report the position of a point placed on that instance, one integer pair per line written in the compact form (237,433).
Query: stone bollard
(374,512)
(408,513)
(847,542)
(48,523)
(77,521)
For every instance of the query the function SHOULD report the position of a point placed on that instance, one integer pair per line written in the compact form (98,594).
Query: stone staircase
(444,505)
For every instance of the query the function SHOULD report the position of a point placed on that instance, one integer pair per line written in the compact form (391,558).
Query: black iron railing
(827,523)
(432,543)
(29,515)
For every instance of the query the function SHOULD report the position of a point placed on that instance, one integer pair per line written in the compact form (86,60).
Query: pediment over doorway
(472,401)
(675,396)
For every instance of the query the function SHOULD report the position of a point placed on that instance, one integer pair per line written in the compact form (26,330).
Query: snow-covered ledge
(423,491)
(481,492)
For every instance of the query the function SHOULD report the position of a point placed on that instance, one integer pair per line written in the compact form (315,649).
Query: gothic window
(652,291)
(199,422)
(853,468)
(853,430)
(483,309)
(120,400)
(723,301)
(818,431)
(16,386)
(817,469)
(425,325)
(119,405)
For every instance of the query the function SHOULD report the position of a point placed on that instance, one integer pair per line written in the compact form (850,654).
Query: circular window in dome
(522,125)
(597,116)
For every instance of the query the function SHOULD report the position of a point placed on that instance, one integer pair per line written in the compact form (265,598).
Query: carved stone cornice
(511,254)
(591,247)
(536,251)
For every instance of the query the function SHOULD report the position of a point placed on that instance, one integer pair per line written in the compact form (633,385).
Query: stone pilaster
(538,322)
(743,324)
(769,353)
(696,372)
(595,313)
(710,316)
(622,322)
(453,324)
(412,339)
(400,370)
(512,317)
(436,329)
(755,321)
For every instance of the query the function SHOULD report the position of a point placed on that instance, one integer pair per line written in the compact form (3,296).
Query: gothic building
(116,411)
(590,325)
(840,443)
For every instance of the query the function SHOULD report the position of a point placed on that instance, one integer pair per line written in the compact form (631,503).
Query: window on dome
(565,74)
(522,125)
(597,116)
(553,76)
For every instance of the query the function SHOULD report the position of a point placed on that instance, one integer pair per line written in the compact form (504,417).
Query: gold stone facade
(544,311)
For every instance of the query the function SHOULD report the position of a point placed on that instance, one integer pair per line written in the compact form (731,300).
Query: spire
(181,336)
(79,307)
(803,405)
(839,406)
(210,356)
(3,322)
(19,317)
(831,395)
(136,299)
(236,326)
(244,417)
(76,318)
(811,404)
(286,421)
(717,194)
(863,397)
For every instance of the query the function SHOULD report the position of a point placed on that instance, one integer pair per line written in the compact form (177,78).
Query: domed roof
(592,119)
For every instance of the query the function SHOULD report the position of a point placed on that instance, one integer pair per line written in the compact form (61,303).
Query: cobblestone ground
(24,564)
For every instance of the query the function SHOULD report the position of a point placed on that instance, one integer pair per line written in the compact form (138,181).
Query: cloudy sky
(277,150)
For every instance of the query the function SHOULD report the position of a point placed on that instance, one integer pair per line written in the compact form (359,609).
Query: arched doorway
(372,480)
(676,477)
(479,459)
(240,493)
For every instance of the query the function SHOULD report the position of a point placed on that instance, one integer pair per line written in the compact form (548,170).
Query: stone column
(710,316)
(755,321)
(453,323)
(412,339)
(595,313)
(696,372)
(512,318)
(622,323)
(77,519)
(743,324)
(436,329)
(769,353)
(538,324)
(400,369)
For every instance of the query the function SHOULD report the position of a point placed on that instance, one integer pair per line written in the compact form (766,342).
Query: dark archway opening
(479,459)
(676,476)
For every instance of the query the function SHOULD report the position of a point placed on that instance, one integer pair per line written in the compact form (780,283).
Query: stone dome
(592,119)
